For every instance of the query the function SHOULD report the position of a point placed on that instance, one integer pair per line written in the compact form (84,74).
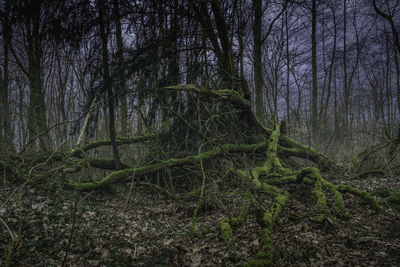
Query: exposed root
(364,195)
(276,174)
(226,224)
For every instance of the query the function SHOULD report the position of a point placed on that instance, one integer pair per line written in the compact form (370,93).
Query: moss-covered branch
(225,94)
(107,142)
(104,164)
(117,176)
(289,147)
(364,195)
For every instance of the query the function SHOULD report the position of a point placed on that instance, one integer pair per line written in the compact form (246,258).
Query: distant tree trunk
(314,96)
(397,65)
(287,69)
(241,29)
(121,88)
(6,134)
(63,75)
(257,58)
(37,109)
(107,83)
(335,102)
(329,85)
(346,93)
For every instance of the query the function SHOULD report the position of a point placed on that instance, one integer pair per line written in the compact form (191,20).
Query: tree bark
(257,58)
(37,108)
(223,52)
(314,96)
(107,83)
(6,133)
(121,87)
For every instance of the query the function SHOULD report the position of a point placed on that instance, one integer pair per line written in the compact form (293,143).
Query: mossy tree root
(226,224)
(364,195)
(312,175)
(281,196)
(277,174)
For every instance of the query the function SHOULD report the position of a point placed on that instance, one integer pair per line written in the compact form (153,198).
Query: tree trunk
(287,69)
(121,87)
(37,109)
(346,93)
(223,52)
(257,58)
(107,83)
(314,97)
(6,134)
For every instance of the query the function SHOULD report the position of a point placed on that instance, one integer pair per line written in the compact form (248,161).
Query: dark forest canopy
(63,53)
(198,99)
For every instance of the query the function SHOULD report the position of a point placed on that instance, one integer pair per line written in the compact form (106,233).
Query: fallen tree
(267,173)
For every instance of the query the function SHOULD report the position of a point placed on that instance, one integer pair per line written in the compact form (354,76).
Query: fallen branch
(120,175)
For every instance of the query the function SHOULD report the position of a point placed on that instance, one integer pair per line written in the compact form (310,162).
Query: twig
(130,190)
(134,253)
(8,229)
(71,234)
(4,178)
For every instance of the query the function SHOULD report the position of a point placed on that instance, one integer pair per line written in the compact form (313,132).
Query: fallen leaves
(153,230)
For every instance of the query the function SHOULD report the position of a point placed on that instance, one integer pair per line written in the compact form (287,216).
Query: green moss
(308,172)
(391,197)
(321,200)
(266,241)
(273,213)
(258,263)
(371,172)
(293,148)
(117,176)
(280,180)
(264,256)
(240,173)
(244,211)
(382,192)
(364,195)
(393,200)
(17,172)
(339,202)
(337,196)
(228,92)
(268,218)
(272,159)
(226,232)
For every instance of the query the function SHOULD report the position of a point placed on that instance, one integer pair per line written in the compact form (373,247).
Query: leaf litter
(152,230)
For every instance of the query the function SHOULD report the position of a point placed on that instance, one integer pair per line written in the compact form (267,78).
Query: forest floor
(142,227)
